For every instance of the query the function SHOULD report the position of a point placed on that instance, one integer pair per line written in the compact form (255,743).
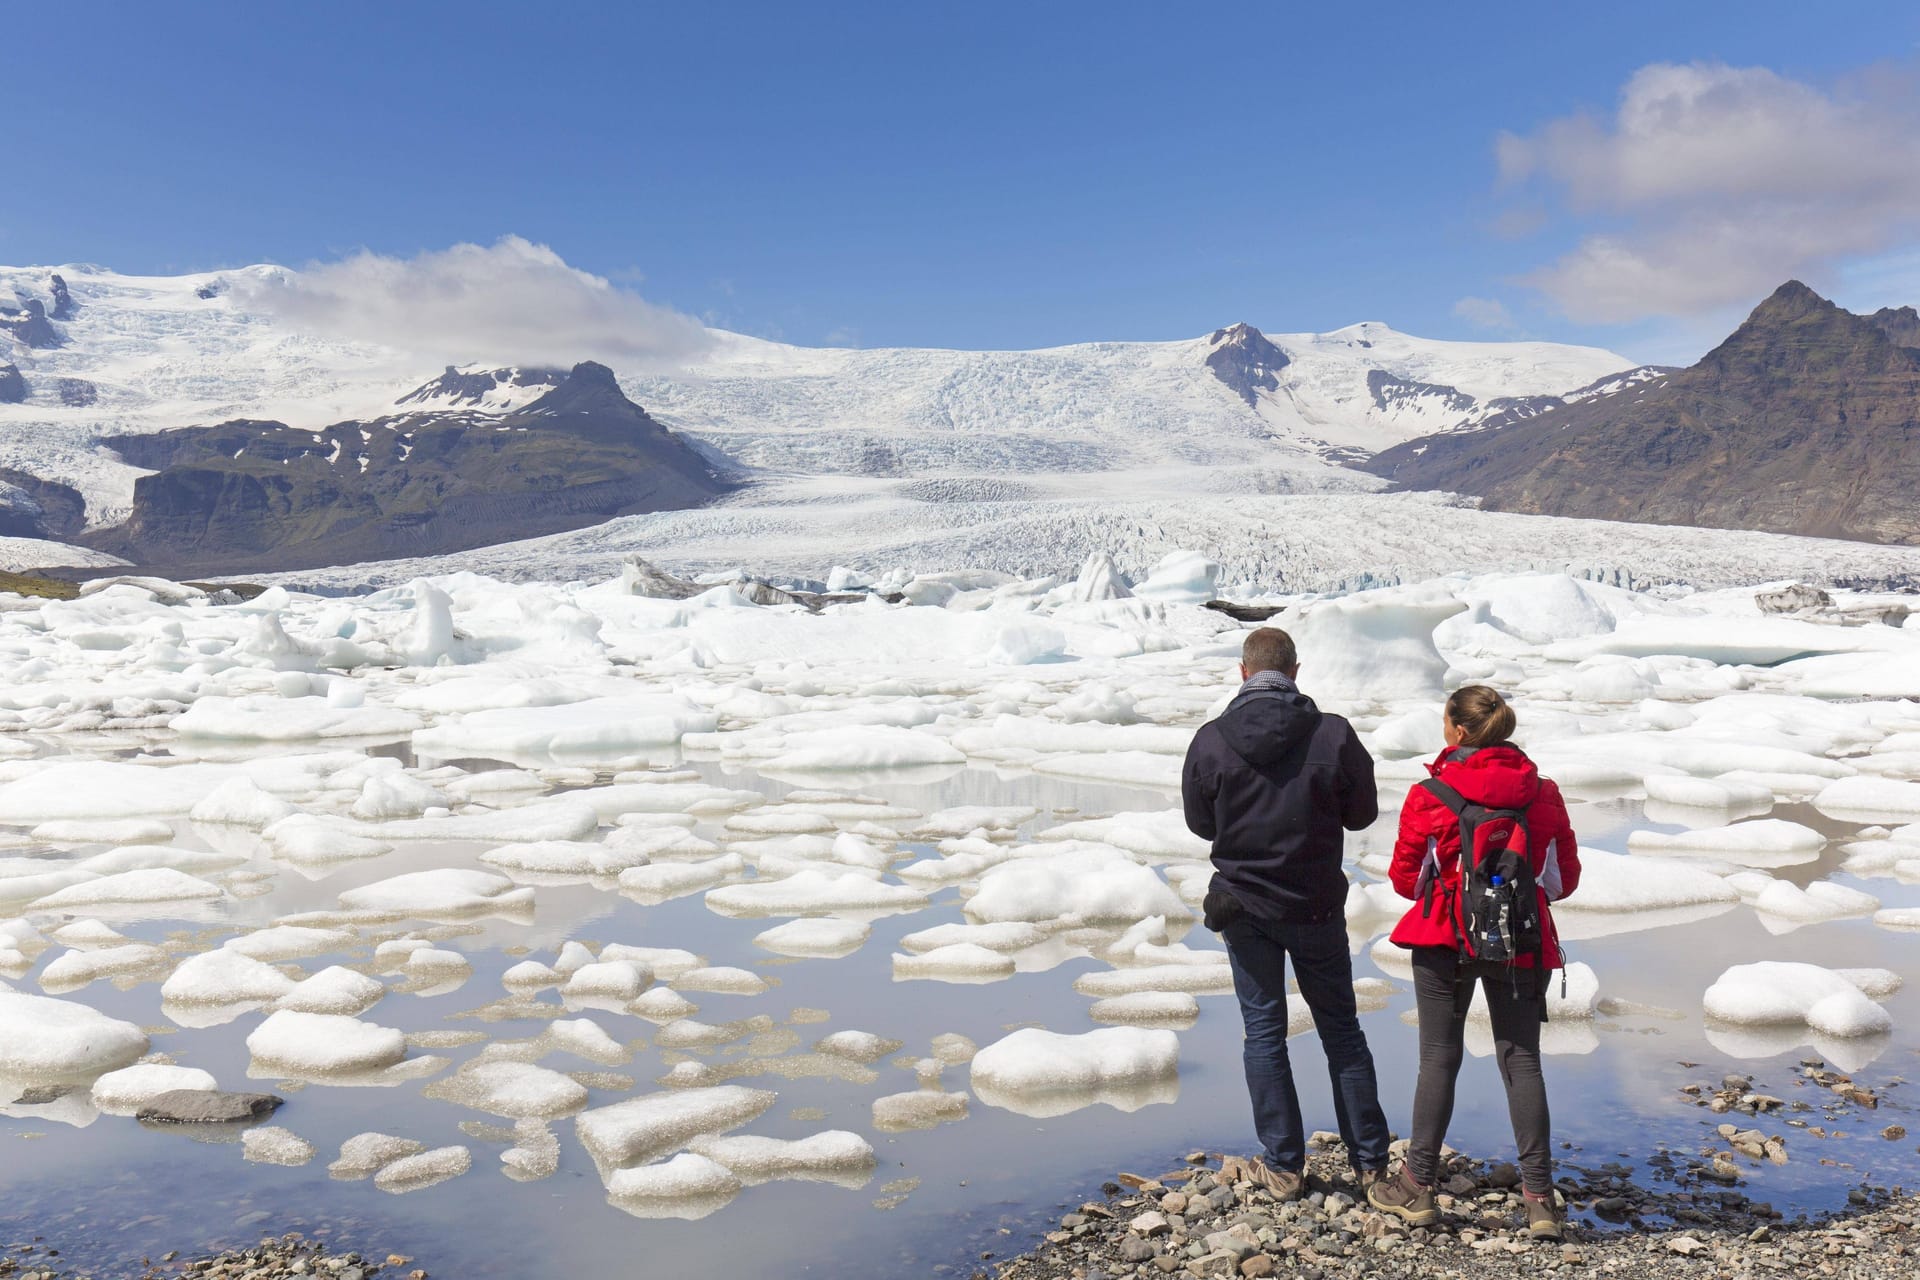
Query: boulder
(208,1106)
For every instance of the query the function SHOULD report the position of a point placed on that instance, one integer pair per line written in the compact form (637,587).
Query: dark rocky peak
(13,387)
(1391,392)
(473,386)
(1900,324)
(63,303)
(1796,332)
(1243,359)
(28,323)
(213,290)
(590,388)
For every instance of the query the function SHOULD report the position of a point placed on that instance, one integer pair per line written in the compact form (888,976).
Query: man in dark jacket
(1275,783)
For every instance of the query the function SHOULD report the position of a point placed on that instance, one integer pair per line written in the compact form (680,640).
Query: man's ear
(1293,672)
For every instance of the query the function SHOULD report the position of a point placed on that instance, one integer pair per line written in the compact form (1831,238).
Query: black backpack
(1496,916)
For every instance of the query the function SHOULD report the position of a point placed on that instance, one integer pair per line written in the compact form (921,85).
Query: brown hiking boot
(1405,1199)
(1543,1216)
(1280,1184)
(1368,1179)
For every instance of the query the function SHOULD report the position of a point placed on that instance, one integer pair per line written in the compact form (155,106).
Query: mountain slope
(135,355)
(257,495)
(1805,420)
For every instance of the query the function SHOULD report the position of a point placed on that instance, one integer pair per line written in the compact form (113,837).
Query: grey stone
(208,1106)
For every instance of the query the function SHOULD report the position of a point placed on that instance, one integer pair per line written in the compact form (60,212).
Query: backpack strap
(1446,795)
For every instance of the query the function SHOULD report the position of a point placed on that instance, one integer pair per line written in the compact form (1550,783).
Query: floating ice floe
(1626,893)
(964,962)
(1870,799)
(594,729)
(918,1109)
(365,1154)
(1775,992)
(1044,1073)
(48,1041)
(335,989)
(623,1134)
(1176,1009)
(822,937)
(321,1044)
(270,1144)
(1767,842)
(425,1169)
(815,891)
(520,1090)
(442,893)
(688,1186)
(1086,884)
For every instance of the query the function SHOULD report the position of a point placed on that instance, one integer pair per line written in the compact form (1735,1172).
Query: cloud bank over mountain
(511,302)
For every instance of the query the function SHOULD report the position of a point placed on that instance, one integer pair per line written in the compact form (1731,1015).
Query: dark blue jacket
(1274,783)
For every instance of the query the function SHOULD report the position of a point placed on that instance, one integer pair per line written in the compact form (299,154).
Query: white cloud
(512,302)
(1484,313)
(1719,183)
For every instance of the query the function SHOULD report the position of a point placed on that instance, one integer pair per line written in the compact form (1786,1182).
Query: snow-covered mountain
(108,354)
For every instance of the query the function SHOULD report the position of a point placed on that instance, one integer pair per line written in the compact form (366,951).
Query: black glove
(1220,909)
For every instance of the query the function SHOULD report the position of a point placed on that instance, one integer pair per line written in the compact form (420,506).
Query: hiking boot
(1405,1199)
(1543,1216)
(1282,1185)
(1369,1178)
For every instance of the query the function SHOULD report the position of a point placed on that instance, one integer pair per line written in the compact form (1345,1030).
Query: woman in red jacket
(1486,769)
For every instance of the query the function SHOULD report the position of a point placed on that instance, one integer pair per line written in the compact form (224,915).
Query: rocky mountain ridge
(1805,420)
(255,495)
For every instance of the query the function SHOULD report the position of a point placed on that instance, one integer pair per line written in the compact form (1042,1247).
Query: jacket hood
(1497,777)
(1263,725)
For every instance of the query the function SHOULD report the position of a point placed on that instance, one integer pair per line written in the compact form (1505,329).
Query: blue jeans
(1259,951)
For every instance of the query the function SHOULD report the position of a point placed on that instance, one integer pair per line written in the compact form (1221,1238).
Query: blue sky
(1001,175)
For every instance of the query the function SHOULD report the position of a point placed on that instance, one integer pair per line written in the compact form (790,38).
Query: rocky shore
(1199,1220)
(288,1257)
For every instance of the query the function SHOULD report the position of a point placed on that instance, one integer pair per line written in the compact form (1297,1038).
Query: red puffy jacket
(1500,778)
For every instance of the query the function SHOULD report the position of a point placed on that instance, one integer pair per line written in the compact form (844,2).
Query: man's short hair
(1268,649)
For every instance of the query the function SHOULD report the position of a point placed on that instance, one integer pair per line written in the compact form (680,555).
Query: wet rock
(208,1106)
(13,387)
(63,303)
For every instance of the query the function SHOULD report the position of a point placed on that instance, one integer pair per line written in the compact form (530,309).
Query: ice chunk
(46,1041)
(366,1153)
(687,1186)
(958,962)
(384,796)
(1007,936)
(240,802)
(856,1046)
(413,1173)
(1374,646)
(1776,992)
(1161,834)
(324,1043)
(334,989)
(155,885)
(918,1109)
(270,718)
(1085,884)
(823,937)
(595,729)
(124,1092)
(1821,900)
(517,1089)
(1705,793)
(115,831)
(1870,799)
(224,977)
(1767,842)
(861,747)
(270,1144)
(1148,1009)
(75,969)
(1626,891)
(535,1153)
(1194,979)
(1043,1073)
(722,980)
(811,891)
(835,1156)
(585,1038)
(1182,577)
(442,893)
(289,942)
(305,837)
(662,880)
(665,963)
(645,1128)
(1577,1005)
(607,979)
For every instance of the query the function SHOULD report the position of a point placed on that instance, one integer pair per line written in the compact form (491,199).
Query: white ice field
(670,910)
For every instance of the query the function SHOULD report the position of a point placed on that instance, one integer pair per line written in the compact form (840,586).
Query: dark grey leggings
(1443,989)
